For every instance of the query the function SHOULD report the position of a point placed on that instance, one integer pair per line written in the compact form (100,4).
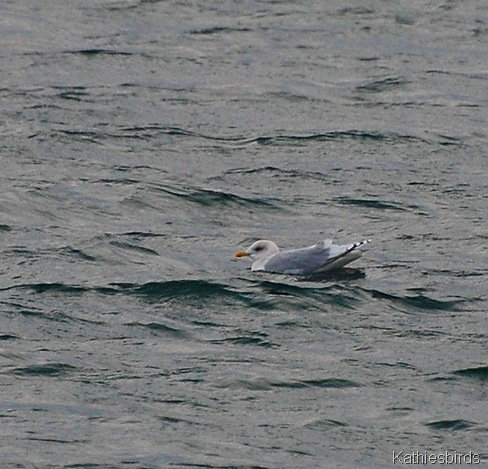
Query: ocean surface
(143,142)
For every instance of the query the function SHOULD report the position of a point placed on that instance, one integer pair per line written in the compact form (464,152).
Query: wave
(353,134)
(417,302)
(99,51)
(161,329)
(321,423)
(8,337)
(375,204)
(259,293)
(177,289)
(382,84)
(253,339)
(150,291)
(270,171)
(49,369)
(480,373)
(254,294)
(268,384)
(154,130)
(219,29)
(211,197)
(452,425)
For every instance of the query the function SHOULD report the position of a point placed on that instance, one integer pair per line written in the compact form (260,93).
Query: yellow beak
(240,254)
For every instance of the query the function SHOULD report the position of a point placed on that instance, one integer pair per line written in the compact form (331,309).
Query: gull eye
(258,248)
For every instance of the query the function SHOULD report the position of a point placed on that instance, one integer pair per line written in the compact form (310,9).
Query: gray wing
(320,257)
(301,261)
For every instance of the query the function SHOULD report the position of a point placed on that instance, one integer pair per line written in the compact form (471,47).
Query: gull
(321,257)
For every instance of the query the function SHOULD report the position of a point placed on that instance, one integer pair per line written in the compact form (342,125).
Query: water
(144,142)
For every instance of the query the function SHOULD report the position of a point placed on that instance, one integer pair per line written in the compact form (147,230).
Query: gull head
(259,252)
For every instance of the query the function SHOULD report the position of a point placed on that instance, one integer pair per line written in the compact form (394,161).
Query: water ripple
(480,373)
(50,369)
(419,302)
(451,425)
(152,131)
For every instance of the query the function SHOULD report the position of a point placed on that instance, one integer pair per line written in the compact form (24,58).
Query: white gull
(321,257)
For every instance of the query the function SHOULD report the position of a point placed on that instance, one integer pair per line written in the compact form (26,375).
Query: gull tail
(357,245)
(350,254)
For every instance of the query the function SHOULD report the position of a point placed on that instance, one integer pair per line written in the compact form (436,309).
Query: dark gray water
(143,142)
